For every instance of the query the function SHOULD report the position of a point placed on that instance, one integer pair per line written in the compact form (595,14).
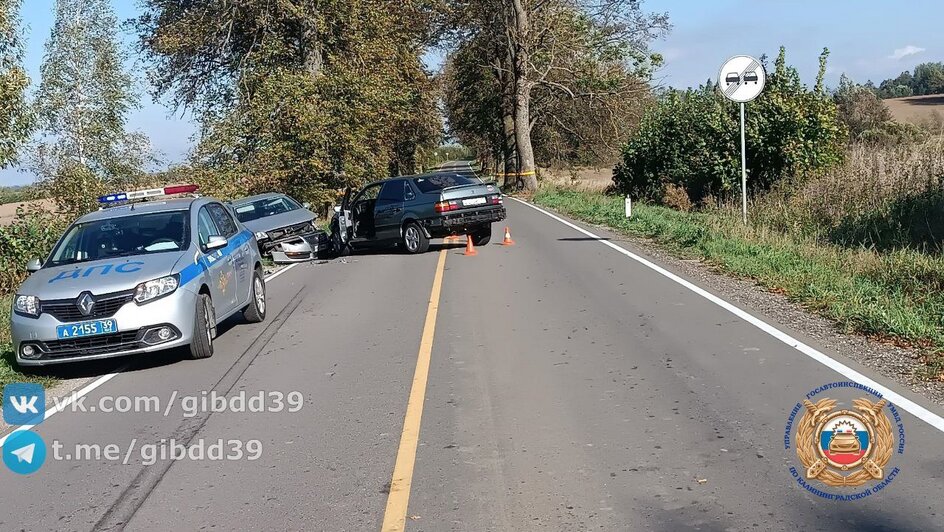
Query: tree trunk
(526,177)
(509,153)
(312,52)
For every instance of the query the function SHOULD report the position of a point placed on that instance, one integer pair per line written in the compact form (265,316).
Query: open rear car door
(345,222)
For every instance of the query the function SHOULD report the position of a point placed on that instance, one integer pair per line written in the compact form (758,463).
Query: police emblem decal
(845,448)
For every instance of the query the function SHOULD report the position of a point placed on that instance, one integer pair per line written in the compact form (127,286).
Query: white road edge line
(908,405)
(62,403)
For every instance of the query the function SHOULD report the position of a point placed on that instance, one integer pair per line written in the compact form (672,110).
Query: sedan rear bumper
(460,222)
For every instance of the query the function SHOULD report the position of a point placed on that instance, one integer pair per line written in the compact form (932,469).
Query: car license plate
(86,328)
(473,201)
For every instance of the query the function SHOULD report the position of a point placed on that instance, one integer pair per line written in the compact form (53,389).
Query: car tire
(482,236)
(201,345)
(414,239)
(255,311)
(338,248)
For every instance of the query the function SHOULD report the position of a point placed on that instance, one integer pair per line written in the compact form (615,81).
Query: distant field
(8,210)
(917,109)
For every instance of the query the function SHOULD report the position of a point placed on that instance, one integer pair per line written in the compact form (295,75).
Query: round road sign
(742,78)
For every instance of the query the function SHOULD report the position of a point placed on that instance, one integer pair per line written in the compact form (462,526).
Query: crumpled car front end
(298,248)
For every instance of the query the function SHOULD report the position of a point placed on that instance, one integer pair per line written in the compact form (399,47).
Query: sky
(868,39)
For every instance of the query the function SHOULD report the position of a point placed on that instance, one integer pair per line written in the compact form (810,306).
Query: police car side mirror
(216,242)
(34,265)
(306,205)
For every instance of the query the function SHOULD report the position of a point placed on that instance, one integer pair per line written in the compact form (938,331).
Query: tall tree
(304,95)
(82,105)
(15,116)
(576,50)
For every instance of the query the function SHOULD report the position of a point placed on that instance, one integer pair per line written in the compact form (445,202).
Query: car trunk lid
(472,196)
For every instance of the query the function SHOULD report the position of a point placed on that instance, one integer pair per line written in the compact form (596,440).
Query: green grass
(896,296)
(8,369)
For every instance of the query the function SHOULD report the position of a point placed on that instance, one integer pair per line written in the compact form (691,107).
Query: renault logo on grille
(85,302)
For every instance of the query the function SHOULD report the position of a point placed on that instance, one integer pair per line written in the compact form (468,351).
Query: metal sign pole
(743,169)
(743,78)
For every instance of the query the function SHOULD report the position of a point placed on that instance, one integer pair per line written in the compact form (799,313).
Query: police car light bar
(147,193)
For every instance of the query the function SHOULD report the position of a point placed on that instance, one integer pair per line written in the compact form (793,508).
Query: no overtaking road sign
(741,80)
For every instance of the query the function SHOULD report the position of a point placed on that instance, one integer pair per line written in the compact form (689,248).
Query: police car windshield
(253,210)
(137,234)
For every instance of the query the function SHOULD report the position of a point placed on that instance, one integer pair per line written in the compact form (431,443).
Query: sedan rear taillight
(495,200)
(446,206)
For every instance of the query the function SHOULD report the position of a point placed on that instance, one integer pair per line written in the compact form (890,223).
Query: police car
(146,272)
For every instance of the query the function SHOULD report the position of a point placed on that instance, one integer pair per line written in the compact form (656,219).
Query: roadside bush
(676,198)
(691,138)
(881,197)
(32,234)
(868,119)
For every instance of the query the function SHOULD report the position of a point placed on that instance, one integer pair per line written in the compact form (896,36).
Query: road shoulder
(899,364)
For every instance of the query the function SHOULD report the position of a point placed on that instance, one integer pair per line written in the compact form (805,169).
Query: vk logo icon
(24,452)
(23,403)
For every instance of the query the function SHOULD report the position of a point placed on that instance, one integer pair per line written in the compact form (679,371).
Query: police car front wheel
(255,311)
(201,346)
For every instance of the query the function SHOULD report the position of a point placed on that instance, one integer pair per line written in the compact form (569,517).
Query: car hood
(100,276)
(277,221)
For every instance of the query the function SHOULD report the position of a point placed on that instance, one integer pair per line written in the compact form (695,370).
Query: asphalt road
(568,388)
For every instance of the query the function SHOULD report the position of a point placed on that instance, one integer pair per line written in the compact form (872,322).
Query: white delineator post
(743,169)
(629,206)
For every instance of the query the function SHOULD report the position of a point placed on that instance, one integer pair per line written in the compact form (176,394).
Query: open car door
(345,222)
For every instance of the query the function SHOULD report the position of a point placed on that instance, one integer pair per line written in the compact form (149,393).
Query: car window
(438,182)
(205,226)
(137,234)
(368,193)
(224,222)
(253,210)
(391,192)
(408,193)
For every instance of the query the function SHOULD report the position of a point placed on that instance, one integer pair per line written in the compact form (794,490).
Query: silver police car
(139,277)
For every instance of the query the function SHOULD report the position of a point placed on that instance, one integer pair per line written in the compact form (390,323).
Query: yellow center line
(399,497)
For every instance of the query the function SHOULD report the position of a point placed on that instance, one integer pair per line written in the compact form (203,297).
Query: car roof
(420,176)
(266,195)
(142,207)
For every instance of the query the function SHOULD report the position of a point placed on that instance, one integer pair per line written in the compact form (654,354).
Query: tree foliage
(15,115)
(867,118)
(928,78)
(692,139)
(567,76)
(299,95)
(82,106)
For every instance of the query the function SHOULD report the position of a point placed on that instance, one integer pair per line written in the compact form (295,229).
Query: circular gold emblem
(833,442)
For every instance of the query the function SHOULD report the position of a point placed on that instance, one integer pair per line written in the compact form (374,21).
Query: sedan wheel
(414,239)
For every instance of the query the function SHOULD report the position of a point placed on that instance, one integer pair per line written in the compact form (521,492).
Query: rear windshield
(247,212)
(438,182)
(138,234)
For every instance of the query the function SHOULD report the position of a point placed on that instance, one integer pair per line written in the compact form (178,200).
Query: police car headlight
(26,305)
(261,235)
(149,290)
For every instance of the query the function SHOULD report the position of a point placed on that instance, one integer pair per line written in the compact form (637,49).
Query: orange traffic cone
(508,241)
(469,248)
